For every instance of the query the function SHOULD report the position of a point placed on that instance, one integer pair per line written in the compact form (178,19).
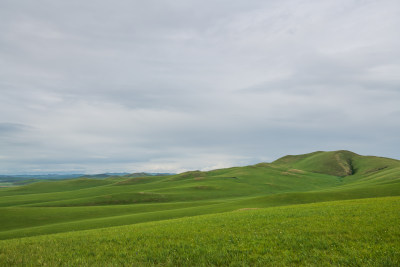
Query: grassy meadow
(322,208)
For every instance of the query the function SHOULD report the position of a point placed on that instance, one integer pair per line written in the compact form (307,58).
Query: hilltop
(337,163)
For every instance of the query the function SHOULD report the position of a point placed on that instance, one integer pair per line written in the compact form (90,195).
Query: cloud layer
(168,86)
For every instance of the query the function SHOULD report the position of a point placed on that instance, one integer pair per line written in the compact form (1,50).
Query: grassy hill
(340,233)
(39,210)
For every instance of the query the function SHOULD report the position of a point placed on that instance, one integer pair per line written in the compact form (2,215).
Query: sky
(175,85)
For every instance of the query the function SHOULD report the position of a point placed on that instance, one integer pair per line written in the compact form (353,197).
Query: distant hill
(22,177)
(339,163)
(102,175)
(144,174)
(31,178)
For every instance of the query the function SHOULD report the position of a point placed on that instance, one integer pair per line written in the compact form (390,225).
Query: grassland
(207,218)
(351,233)
(5,184)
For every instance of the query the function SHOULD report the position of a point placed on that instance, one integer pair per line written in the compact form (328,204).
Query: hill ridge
(340,163)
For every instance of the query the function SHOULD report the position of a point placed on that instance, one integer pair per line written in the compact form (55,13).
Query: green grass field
(5,184)
(322,208)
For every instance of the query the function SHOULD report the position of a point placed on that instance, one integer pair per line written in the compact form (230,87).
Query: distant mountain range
(33,177)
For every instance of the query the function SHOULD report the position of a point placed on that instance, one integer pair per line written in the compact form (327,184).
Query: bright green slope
(362,232)
(81,204)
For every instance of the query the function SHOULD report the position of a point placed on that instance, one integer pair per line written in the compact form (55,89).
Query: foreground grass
(354,233)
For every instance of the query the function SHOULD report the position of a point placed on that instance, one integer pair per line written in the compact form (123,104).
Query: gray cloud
(10,128)
(174,85)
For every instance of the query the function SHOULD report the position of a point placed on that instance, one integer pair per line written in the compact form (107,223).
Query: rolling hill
(40,209)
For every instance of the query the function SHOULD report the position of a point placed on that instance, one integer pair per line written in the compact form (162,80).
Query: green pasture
(312,188)
(341,233)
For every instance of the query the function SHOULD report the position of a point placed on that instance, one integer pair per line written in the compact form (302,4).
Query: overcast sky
(168,86)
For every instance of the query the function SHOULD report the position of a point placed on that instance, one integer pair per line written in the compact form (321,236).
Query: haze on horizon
(168,86)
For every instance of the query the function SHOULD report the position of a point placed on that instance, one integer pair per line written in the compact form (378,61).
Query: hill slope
(342,233)
(78,204)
